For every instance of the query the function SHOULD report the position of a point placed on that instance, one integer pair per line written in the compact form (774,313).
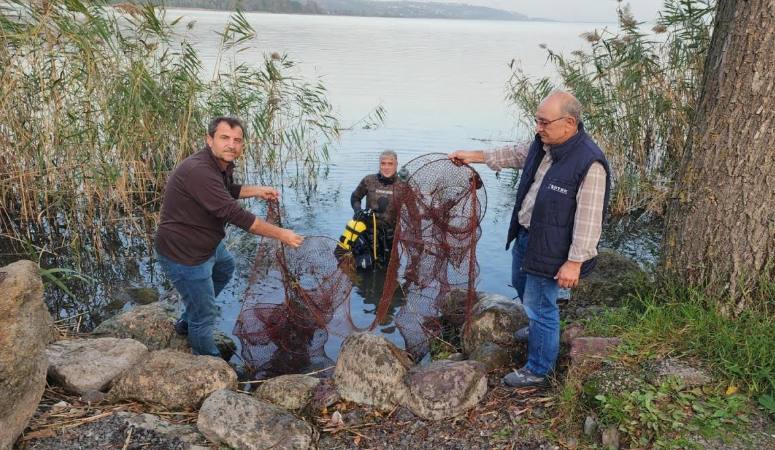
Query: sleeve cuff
(577,254)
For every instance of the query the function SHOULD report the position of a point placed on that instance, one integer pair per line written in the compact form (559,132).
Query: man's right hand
(460,157)
(291,239)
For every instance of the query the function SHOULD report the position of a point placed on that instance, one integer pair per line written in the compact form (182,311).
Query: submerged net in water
(297,298)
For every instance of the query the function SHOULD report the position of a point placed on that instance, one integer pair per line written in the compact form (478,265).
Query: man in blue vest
(557,221)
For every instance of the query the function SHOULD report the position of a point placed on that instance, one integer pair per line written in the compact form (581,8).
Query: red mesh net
(296,298)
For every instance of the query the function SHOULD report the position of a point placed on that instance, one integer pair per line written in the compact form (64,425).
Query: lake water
(442,83)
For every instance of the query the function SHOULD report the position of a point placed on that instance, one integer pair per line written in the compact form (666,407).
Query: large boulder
(87,364)
(174,379)
(610,282)
(443,389)
(288,391)
(243,422)
(26,328)
(370,370)
(494,319)
(153,326)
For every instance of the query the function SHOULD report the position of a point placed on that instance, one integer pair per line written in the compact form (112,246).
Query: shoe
(181,326)
(524,378)
(521,335)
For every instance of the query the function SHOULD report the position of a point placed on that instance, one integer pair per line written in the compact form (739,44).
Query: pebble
(590,426)
(92,396)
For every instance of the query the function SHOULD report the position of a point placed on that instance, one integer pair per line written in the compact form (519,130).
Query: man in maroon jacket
(201,198)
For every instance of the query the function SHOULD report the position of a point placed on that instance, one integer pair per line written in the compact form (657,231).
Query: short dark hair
(232,122)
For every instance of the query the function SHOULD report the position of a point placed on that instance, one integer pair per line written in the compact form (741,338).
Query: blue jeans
(198,287)
(539,299)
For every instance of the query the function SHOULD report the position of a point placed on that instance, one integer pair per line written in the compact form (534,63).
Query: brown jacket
(199,201)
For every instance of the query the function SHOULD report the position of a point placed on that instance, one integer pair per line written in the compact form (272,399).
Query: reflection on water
(442,84)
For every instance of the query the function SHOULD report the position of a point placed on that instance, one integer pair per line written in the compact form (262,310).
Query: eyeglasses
(545,123)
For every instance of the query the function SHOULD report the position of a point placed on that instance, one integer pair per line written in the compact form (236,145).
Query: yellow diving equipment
(353,229)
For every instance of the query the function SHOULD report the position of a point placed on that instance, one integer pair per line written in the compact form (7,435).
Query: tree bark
(720,230)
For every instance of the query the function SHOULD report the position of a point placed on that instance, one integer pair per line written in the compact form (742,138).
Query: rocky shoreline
(136,385)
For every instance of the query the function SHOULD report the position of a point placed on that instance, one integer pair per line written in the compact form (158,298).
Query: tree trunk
(720,229)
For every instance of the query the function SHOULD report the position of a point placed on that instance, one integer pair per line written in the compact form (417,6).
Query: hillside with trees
(353,8)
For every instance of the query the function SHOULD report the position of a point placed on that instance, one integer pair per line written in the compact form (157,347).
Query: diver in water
(379,192)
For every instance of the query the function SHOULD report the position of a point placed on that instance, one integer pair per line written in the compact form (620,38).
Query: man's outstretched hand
(291,239)
(460,157)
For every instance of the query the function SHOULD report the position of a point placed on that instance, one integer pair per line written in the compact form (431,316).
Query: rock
(492,356)
(26,328)
(590,426)
(324,395)
(370,370)
(174,379)
(494,319)
(571,332)
(288,391)
(246,423)
(92,363)
(445,389)
(92,396)
(184,433)
(143,295)
(152,325)
(592,347)
(610,438)
(456,357)
(610,282)
(611,378)
(660,371)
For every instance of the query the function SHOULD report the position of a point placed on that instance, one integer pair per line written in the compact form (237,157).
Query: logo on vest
(558,189)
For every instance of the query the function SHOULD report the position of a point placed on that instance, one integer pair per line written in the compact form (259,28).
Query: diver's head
(388,164)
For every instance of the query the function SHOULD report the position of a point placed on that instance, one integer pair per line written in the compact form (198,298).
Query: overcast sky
(572,10)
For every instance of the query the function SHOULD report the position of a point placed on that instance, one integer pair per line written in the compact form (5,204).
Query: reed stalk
(639,89)
(100,102)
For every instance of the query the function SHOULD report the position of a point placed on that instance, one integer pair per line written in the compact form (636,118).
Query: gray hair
(570,106)
(388,154)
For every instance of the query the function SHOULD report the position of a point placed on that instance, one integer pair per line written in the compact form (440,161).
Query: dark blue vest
(551,225)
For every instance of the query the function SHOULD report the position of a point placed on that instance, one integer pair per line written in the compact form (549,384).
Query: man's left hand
(568,275)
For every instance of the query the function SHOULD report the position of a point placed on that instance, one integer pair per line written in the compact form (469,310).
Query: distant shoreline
(538,20)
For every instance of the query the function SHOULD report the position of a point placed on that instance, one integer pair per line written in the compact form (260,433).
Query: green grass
(664,321)
(672,320)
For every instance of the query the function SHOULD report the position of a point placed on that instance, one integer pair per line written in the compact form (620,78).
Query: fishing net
(297,298)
